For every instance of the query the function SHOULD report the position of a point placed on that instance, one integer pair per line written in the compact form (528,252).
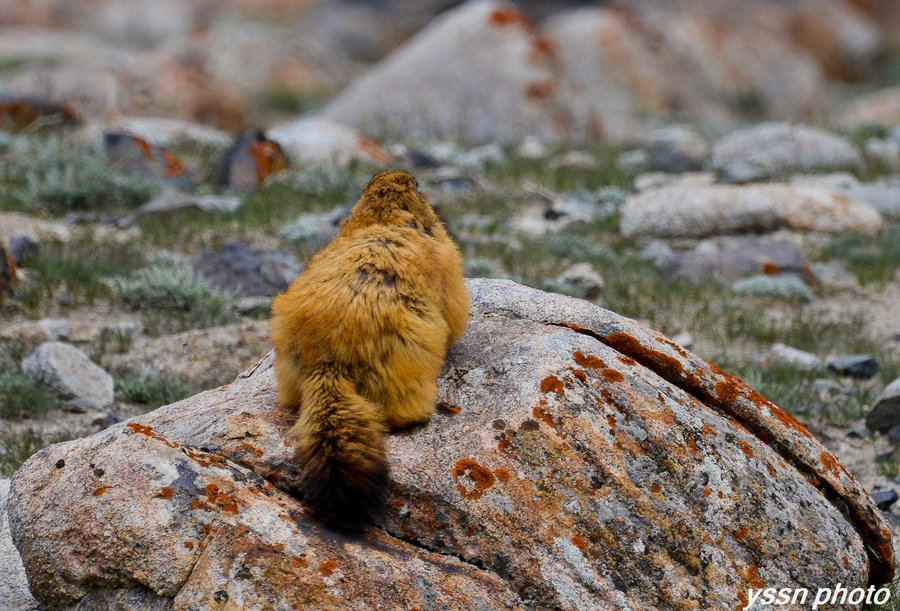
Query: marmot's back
(360,338)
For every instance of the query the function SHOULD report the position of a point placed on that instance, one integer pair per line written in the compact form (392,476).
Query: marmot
(360,338)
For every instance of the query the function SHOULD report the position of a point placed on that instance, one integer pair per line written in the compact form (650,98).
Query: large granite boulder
(576,460)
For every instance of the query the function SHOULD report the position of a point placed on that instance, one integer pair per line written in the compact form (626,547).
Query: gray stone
(581,280)
(883,499)
(246,271)
(317,228)
(677,148)
(862,366)
(774,149)
(14,593)
(730,260)
(478,73)
(323,142)
(71,374)
(885,412)
(702,210)
(532,148)
(21,246)
(603,433)
(787,355)
(55,328)
(170,201)
(637,160)
(785,287)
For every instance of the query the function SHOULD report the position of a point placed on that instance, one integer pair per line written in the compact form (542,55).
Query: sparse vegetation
(22,397)
(171,298)
(153,391)
(73,271)
(53,174)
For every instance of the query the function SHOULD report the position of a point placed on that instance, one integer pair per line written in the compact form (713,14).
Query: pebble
(862,366)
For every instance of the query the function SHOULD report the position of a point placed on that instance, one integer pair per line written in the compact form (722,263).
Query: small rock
(133,155)
(532,148)
(772,149)
(884,151)
(55,328)
(576,160)
(833,275)
(785,287)
(479,157)
(318,228)
(677,148)
(786,355)
(319,141)
(560,213)
(885,412)
(22,246)
(167,132)
(252,305)
(71,374)
(862,366)
(239,269)
(18,112)
(250,161)
(883,499)
(175,201)
(417,159)
(732,259)
(637,160)
(451,180)
(684,339)
(581,279)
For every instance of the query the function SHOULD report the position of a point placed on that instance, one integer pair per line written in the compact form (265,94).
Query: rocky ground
(755,223)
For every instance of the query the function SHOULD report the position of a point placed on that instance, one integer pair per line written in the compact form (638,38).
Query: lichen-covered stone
(576,460)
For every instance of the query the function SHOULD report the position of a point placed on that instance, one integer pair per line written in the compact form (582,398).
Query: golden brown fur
(360,337)
(8,276)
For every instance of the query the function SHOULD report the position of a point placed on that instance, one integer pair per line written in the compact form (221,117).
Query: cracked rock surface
(576,460)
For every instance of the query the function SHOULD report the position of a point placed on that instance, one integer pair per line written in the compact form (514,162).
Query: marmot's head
(391,181)
(393,198)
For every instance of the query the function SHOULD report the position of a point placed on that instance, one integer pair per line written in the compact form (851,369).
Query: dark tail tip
(349,494)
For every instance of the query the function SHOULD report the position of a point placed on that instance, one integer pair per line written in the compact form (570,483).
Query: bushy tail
(340,449)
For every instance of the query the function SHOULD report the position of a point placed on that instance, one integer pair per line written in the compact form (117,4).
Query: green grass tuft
(54,175)
(154,391)
(22,397)
(172,298)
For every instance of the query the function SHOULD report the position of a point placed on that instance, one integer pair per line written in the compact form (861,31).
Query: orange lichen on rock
(612,376)
(769,268)
(578,542)
(505,16)
(246,447)
(754,578)
(327,568)
(480,476)
(540,90)
(165,493)
(552,383)
(543,415)
(149,432)
(588,360)
(99,491)
(502,474)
